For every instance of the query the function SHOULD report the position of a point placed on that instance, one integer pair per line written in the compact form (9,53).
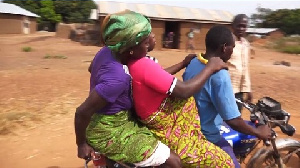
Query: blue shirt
(215,101)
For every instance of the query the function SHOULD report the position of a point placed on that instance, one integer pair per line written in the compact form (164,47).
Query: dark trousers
(240,95)
(223,144)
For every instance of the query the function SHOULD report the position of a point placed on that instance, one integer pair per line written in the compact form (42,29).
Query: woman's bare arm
(189,88)
(84,113)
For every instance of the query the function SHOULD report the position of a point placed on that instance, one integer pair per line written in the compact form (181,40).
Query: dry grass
(47,56)
(286,44)
(27,49)
(11,120)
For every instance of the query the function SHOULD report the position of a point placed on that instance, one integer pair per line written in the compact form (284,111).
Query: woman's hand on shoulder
(188,59)
(216,64)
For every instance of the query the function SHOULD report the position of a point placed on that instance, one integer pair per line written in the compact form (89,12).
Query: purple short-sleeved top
(111,80)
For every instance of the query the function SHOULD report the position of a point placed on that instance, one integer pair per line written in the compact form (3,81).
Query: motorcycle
(275,152)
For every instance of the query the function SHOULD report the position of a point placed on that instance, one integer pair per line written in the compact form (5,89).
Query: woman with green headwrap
(161,101)
(104,122)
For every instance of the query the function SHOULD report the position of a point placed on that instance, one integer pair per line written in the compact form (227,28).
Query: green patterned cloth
(120,138)
(123,30)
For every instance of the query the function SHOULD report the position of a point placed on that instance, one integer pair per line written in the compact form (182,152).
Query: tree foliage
(258,18)
(47,12)
(286,19)
(74,11)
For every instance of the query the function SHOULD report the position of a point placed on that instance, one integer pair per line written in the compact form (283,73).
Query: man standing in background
(190,41)
(239,62)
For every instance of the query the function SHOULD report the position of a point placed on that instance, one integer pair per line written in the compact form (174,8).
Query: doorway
(26,26)
(171,35)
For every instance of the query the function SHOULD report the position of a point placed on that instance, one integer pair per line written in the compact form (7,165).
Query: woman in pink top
(164,104)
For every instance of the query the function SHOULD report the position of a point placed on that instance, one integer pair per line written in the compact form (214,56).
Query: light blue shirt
(215,101)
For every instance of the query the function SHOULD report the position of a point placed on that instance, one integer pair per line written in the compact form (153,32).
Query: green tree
(47,12)
(48,18)
(75,11)
(286,20)
(257,18)
(65,9)
(19,3)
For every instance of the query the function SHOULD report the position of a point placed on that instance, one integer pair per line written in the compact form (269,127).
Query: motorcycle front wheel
(289,150)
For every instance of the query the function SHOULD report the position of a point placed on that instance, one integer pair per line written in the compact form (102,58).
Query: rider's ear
(224,48)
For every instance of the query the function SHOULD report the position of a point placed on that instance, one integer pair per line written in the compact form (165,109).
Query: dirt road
(40,90)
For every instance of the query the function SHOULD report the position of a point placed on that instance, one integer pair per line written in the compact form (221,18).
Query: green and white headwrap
(123,30)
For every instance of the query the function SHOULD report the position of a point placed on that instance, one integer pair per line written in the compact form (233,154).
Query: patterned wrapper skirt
(177,125)
(120,137)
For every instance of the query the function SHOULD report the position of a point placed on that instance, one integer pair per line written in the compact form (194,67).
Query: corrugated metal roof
(260,30)
(164,12)
(15,10)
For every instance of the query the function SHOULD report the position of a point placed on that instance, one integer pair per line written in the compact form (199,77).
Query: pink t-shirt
(151,84)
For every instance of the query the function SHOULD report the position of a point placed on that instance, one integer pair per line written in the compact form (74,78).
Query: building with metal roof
(261,31)
(16,20)
(166,19)
(164,12)
(265,32)
(15,10)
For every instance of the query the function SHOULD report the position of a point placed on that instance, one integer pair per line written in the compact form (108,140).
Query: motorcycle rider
(216,101)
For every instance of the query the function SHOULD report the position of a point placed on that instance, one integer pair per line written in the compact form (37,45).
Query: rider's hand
(249,97)
(188,59)
(263,132)
(216,64)
(84,151)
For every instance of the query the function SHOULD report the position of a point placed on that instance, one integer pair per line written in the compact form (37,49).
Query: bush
(291,49)
(27,49)
(55,57)
(289,45)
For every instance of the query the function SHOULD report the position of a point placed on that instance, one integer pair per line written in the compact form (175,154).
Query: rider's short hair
(217,36)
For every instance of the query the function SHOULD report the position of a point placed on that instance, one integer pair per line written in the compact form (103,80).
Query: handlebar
(248,106)
(262,118)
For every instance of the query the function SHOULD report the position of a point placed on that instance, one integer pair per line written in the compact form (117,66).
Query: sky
(234,6)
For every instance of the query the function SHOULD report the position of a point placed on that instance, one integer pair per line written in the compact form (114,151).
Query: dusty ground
(38,96)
